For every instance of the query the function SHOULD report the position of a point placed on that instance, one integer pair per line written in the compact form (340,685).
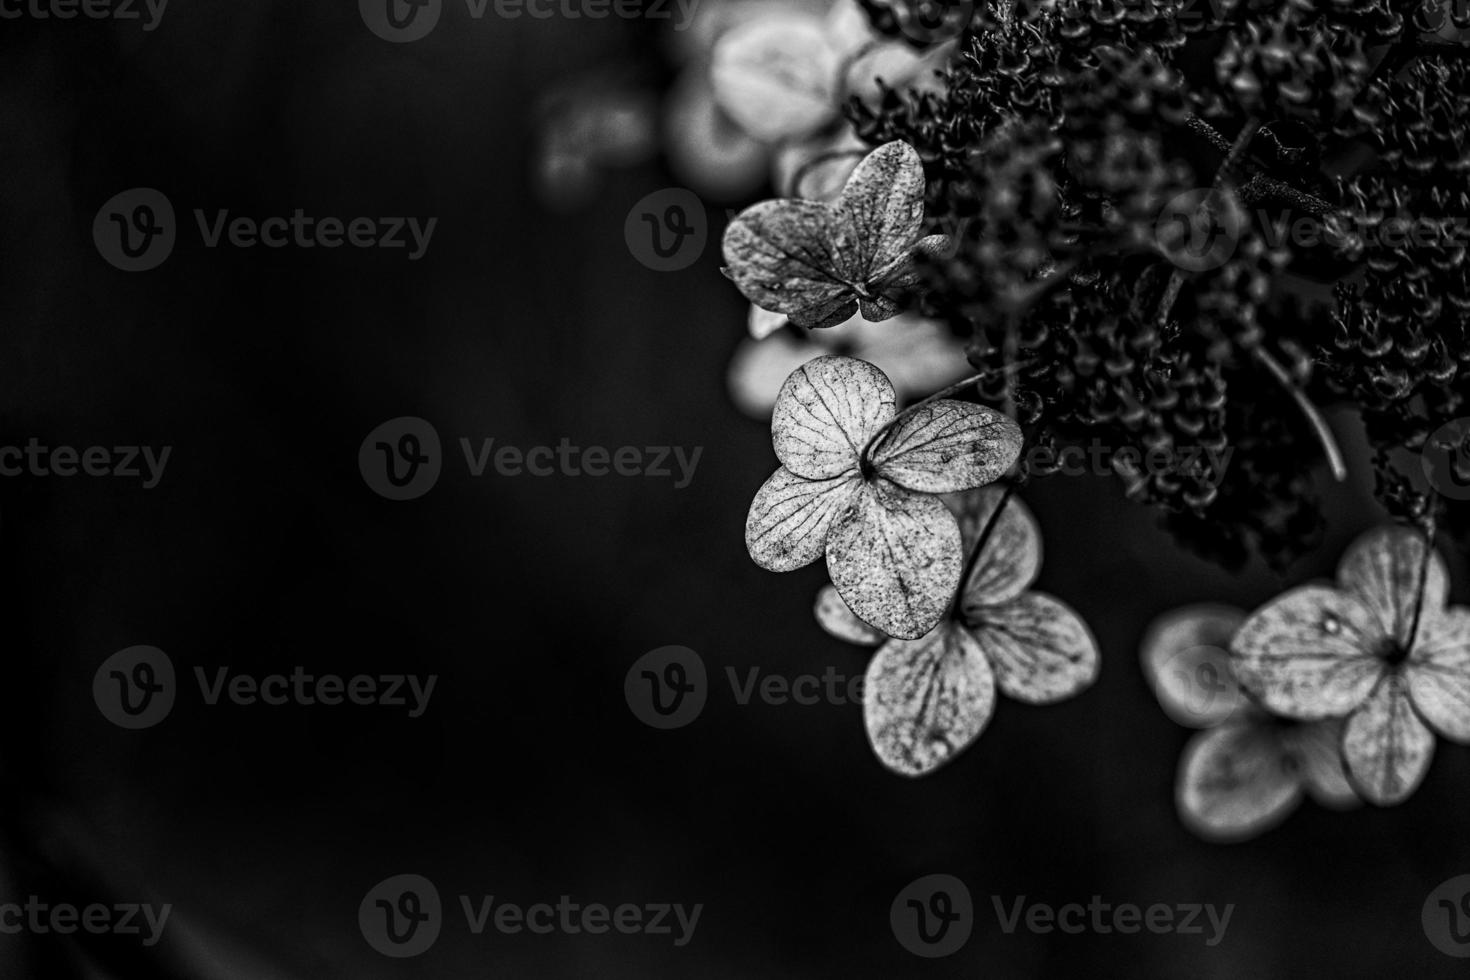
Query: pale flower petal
(1186,659)
(1011,559)
(925,700)
(1317,748)
(836,618)
(895,558)
(790,518)
(1438,672)
(759,368)
(880,211)
(1042,652)
(827,411)
(1309,654)
(776,76)
(780,256)
(1388,748)
(1236,782)
(1382,568)
(946,446)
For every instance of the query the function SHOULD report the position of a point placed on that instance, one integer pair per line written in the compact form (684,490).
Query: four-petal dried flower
(893,549)
(820,263)
(1381,649)
(1246,771)
(926,699)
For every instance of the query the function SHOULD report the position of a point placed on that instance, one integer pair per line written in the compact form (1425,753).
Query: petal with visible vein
(924,700)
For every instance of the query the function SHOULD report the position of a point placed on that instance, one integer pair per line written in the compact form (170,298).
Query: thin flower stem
(1429,531)
(1208,132)
(1227,167)
(1314,417)
(972,560)
(1261,187)
(820,158)
(865,463)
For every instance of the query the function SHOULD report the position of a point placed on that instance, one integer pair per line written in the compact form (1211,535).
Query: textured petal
(775,76)
(1388,748)
(827,411)
(759,368)
(1186,658)
(1012,555)
(779,254)
(924,700)
(895,558)
(946,446)
(1040,649)
(1438,672)
(836,618)
(789,520)
(1317,748)
(904,272)
(880,211)
(1382,568)
(1236,782)
(1310,654)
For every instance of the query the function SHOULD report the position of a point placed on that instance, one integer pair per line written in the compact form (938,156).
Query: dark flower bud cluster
(1085,155)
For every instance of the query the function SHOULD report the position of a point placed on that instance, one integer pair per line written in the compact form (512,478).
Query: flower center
(1392,652)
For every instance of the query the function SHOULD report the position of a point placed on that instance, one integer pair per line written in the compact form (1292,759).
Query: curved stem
(1227,166)
(865,460)
(1429,531)
(1314,417)
(973,559)
(820,158)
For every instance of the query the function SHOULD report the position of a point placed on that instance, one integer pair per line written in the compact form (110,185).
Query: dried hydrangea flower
(1247,770)
(857,483)
(784,74)
(926,699)
(919,356)
(819,263)
(1381,648)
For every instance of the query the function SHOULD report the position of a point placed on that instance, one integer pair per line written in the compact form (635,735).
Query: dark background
(528,778)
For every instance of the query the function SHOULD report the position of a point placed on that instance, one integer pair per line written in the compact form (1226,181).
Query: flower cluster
(1118,178)
(1335,690)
